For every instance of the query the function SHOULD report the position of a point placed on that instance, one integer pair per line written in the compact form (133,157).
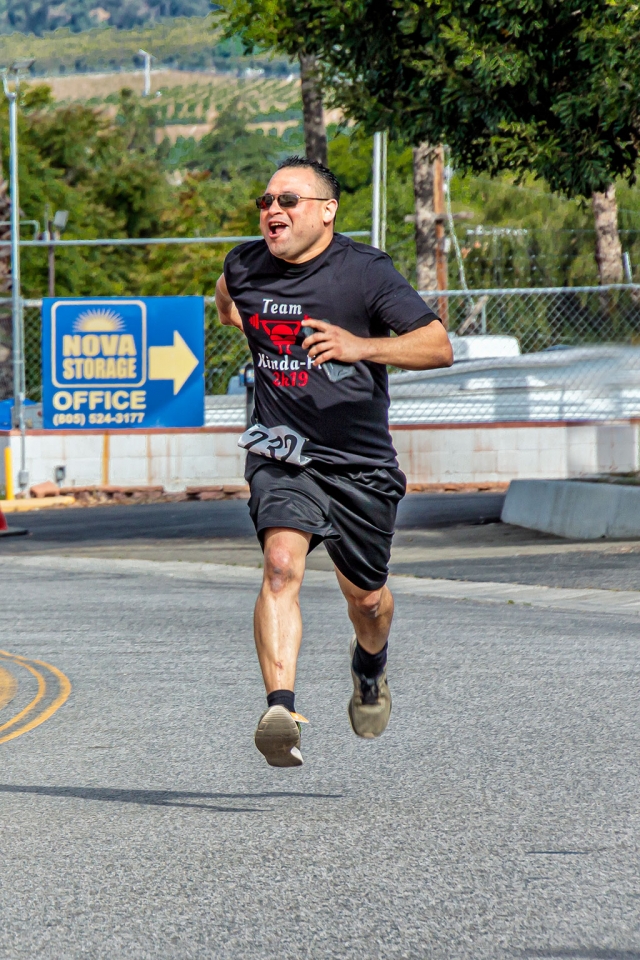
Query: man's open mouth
(277,228)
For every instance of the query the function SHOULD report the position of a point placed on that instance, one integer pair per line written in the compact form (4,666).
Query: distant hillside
(186,43)
(38,16)
(184,105)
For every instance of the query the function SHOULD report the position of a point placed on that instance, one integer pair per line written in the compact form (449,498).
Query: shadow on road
(163,798)
(430,511)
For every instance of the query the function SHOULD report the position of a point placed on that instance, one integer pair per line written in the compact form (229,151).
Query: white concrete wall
(502,452)
(175,459)
(427,453)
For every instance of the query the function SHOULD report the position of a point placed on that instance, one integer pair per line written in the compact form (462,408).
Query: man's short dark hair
(323,173)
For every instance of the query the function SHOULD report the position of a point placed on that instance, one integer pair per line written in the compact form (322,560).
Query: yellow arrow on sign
(175,363)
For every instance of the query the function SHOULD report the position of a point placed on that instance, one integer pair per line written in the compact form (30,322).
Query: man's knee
(367,604)
(282,568)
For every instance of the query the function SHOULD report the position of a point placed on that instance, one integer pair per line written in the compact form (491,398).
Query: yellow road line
(42,689)
(63,695)
(8,687)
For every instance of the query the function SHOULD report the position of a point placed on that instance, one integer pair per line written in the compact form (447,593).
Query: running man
(317,310)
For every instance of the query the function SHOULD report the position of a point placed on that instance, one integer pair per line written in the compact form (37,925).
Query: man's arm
(421,349)
(227,310)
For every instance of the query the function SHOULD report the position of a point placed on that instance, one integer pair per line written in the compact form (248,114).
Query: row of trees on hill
(548,87)
(39,16)
(184,43)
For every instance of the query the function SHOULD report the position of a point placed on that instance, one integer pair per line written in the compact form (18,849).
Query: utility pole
(19,384)
(148,57)
(439,212)
(430,213)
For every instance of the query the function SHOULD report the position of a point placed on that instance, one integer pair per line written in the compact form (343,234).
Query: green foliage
(522,235)
(231,150)
(194,269)
(551,89)
(350,158)
(265,24)
(73,159)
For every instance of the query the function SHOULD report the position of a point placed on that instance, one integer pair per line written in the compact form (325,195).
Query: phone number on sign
(79,419)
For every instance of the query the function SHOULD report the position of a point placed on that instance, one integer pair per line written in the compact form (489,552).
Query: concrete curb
(568,599)
(569,508)
(35,503)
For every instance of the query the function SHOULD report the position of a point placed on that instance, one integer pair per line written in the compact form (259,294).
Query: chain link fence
(560,354)
(544,317)
(537,377)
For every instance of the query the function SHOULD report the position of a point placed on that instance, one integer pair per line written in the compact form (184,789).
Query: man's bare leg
(277,621)
(278,633)
(371,613)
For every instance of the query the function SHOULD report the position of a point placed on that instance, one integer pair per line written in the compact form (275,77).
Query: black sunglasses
(284,199)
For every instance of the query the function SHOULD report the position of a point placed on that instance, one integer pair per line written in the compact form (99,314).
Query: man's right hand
(227,311)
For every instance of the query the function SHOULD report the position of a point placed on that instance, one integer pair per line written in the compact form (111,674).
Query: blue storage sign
(123,362)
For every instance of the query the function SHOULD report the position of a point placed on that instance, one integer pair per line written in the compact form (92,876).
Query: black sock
(282,698)
(369,665)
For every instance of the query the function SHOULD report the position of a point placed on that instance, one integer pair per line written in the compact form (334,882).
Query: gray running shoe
(278,738)
(370,705)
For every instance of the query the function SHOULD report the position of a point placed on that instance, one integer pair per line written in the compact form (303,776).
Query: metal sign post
(376,184)
(379,186)
(384,178)
(19,388)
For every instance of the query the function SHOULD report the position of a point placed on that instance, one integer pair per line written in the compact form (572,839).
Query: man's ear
(329,212)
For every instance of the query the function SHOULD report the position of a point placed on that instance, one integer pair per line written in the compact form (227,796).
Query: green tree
(549,88)
(233,150)
(280,26)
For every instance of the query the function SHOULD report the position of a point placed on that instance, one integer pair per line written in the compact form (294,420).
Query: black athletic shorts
(353,509)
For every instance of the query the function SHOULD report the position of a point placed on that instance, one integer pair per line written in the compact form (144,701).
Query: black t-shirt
(351,285)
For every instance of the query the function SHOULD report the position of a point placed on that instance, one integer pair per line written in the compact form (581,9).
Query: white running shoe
(278,737)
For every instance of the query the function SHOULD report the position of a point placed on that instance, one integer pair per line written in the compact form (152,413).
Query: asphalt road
(214,519)
(497,818)
(599,569)
(456,536)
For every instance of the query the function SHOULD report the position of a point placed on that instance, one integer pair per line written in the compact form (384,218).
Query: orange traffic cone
(7,531)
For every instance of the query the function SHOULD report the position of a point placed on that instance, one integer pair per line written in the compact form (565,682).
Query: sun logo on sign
(98,321)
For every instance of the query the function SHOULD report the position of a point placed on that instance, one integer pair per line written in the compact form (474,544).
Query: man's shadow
(164,798)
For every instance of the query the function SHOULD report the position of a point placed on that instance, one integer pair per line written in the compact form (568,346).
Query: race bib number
(277,443)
